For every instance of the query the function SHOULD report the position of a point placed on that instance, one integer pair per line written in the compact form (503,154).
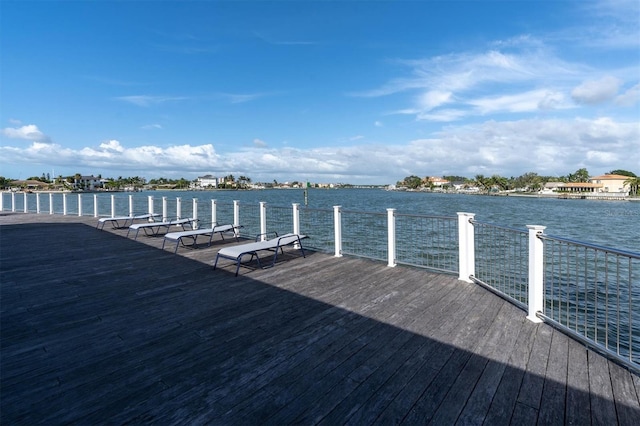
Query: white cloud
(28,132)
(508,148)
(629,98)
(596,91)
(112,145)
(378,123)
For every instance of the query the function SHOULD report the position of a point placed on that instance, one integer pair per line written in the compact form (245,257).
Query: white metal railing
(501,260)
(590,292)
(593,292)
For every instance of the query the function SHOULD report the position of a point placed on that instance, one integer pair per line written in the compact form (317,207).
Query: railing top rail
(506,228)
(364,212)
(631,254)
(427,216)
(315,209)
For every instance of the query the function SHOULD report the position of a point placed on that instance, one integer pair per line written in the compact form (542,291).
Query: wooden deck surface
(96,328)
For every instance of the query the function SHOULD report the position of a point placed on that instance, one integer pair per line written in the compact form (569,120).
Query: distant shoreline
(561,196)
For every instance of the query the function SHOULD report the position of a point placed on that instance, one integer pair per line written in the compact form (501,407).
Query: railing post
(466,247)
(214,213)
(51,203)
(113,205)
(1,201)
(25,207)
(64,204)
(337,226)
(236,213)
(296,218)
(131,211)
(95,205)
(37,203)
(296,221)
(150,204)
(536,272)
(178,208)
(263,220)
(79,204)
(165,213)
(391,237)
(13,201)
(194,214)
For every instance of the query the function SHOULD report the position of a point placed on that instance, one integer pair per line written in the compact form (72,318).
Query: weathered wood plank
(552,409)
(107,329)
(603,408)
(578,405)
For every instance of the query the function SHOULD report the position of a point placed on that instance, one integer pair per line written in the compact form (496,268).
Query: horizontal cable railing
(279,219)
(249,218)
(427,241)
(501,260)
(594,291)
(318,226)
(364,234)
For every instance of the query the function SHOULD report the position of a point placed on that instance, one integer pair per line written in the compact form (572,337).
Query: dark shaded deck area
(96,328)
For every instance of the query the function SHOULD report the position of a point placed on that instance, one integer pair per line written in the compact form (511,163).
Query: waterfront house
(581,187)
(611,183)
(207,181)
(436,181)
(89,183)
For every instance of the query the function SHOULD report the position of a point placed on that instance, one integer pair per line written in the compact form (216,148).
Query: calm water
(608,223)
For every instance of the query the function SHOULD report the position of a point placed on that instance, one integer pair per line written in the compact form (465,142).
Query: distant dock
(98,328)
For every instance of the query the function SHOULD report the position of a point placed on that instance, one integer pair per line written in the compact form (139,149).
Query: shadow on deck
(96,328)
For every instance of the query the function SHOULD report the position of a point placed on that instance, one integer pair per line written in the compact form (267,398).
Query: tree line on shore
(528,182)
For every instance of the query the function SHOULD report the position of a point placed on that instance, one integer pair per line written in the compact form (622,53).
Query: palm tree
(634,185)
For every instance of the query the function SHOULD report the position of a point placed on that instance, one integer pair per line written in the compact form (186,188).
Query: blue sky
(325,91)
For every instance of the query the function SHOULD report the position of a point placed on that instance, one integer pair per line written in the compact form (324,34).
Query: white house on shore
(207,181)
(89,183)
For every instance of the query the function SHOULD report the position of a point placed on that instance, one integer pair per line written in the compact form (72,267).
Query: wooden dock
(96,328)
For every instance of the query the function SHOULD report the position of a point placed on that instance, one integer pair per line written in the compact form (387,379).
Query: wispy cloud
(149,100)
(630,97)
(151,127)
(518,75)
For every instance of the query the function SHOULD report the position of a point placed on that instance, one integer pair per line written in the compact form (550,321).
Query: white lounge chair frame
(125,221)
(193,235)
(236,253)
(153,229)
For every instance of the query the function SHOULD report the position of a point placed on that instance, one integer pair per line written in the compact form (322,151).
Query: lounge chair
(236,253)
(125,221)
(153,229)
(193,234)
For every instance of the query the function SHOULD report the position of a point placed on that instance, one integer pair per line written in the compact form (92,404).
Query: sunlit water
(608,223)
